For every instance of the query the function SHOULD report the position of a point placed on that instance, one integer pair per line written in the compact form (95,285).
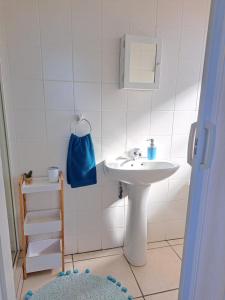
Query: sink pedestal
(135,246)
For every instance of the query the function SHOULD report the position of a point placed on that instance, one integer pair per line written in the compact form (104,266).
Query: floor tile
(179,250)
(96,254)
(36,280)
(68,259)
(161,273)
(176,242)
(172,295)
(157,245)
(116,266)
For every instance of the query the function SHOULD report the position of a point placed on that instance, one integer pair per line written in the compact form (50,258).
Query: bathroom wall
(62,56)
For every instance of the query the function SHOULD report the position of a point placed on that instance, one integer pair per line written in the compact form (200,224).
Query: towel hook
(78,119)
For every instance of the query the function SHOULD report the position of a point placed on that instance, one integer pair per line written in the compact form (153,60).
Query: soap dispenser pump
(151,150)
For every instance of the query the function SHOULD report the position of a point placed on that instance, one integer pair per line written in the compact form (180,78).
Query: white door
(203,268)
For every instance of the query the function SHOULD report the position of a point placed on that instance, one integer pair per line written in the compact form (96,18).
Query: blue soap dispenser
(151,150)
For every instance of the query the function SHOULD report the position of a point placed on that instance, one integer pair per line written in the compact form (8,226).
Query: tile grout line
(160,247)
(134,276)
(158,293)
(91,258)
(175,253)
(108,255)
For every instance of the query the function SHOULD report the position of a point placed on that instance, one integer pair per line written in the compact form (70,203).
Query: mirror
(139,63)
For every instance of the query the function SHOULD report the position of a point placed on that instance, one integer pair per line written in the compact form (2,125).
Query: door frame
(203,271)
(7,288)
(7,283)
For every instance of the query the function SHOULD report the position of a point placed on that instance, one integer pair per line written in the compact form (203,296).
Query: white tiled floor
(157,280)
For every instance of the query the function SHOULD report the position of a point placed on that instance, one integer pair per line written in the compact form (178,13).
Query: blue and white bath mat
(80,286)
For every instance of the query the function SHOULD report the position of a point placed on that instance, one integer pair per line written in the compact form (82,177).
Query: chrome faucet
(135,153)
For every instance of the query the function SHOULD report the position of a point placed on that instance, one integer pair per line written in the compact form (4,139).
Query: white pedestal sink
(139,175)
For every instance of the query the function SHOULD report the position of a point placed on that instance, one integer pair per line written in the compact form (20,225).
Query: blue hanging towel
(81,166)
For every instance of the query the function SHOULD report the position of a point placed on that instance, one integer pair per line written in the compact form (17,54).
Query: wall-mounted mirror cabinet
(140,58)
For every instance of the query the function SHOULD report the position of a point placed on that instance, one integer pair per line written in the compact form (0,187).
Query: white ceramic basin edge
(140,172)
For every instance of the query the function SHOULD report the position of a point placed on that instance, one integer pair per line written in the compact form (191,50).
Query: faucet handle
(135,153)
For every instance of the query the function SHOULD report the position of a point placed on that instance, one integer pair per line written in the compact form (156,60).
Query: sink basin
(140,172)
(138,175)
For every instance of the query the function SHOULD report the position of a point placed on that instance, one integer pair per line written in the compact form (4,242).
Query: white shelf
(40,184)
(42,221)
(43,255)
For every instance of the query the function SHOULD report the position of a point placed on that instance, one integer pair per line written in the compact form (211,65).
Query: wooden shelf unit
(45,253)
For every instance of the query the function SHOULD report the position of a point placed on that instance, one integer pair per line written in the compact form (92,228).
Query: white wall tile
(157,211)
(159,191)
(25,61)
(57,153)
(97,142)
(187,95)
(115,18)
(164,98)
(112,147)
(138,123)
(183,121)
(110,60)
(176,209)
(55,20)
(88,223)
(110,195)
(178,189)
(89,199)
(169,17)
(87,60)
(113,217)
(3,23)
(87,40)
(88,96)
(71,246)
(32,155)
(90,242)
(70,203)
(83,10)
(157,231)
(30,124)
(143,17)
(28,94)
(70,230)
(175,229)
(57,61)
(22,22)
(58,124)
(113,98)
(59,95)
(112,238)
(161,122)
(89,231)
(139,100)
(113,125)
(179,146)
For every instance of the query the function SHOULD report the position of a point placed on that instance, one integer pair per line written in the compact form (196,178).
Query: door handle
(209,145)
(191,147)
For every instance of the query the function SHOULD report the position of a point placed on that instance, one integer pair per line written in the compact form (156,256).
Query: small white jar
(53,174)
